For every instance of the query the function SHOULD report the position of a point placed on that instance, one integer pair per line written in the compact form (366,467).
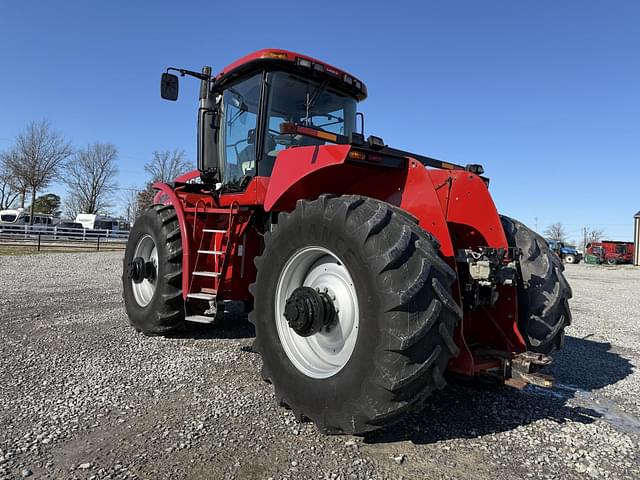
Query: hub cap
(308,311)
(317,348)
(145,256)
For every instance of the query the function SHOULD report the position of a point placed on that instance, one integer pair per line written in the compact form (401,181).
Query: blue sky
(545,94)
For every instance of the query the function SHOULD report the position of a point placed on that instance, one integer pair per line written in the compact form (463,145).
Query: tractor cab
(266,102)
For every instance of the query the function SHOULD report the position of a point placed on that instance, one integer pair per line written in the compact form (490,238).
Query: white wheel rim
(143,291)
(326,352)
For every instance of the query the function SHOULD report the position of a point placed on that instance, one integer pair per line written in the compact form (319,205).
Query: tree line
(41,156)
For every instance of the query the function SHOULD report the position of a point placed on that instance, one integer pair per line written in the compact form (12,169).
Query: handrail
(195,216)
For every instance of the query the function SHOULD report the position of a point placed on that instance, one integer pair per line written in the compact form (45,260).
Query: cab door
(240,132)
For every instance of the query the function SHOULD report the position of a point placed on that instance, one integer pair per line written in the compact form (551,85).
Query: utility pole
(535,219)
(584,239)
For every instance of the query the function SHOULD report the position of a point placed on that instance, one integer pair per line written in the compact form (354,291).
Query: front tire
(155,305)
(395,321)
(570,259)
(543,291)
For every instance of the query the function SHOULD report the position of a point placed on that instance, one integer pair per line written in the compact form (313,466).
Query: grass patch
(18,250)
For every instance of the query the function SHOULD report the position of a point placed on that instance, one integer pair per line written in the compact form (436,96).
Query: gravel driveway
(83,396)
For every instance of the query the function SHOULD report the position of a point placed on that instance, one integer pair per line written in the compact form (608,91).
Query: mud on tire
(543,291)
(165,312)
(406,320)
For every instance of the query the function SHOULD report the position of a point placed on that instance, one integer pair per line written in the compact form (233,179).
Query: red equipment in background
(611,252)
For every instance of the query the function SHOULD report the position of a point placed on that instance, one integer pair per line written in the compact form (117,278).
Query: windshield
(8,217)
(305,102)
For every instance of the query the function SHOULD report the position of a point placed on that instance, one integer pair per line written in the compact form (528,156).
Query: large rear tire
(155,305)
(543,291)
(392,338)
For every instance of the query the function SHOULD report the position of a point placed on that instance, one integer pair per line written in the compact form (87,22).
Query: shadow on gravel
(234,326)
(467,410)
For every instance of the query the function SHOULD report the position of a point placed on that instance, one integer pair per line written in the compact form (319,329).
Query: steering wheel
(235,146)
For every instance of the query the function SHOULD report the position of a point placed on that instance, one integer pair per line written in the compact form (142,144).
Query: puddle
(607,410)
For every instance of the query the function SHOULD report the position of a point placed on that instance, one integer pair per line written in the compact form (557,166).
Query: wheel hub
(139,270)
(316,312)
(143,270)
(308,311)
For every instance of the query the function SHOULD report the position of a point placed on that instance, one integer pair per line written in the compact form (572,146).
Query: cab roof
(294,60)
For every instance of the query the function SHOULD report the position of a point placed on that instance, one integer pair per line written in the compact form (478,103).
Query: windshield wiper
(311,100)
(241,105)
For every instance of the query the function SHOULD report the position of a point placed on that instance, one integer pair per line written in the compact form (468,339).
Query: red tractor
(370,272)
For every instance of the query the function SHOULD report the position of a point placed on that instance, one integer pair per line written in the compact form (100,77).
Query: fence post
(38,241)
(98,247)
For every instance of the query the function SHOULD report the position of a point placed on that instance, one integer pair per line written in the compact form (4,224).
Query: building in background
(636,240)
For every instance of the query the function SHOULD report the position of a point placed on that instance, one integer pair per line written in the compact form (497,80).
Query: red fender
(169,196)
(307,172)
(298,170)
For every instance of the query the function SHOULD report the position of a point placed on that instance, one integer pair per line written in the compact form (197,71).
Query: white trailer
(20,217)
(98,222)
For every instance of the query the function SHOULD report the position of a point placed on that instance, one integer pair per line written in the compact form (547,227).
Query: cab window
(238,129)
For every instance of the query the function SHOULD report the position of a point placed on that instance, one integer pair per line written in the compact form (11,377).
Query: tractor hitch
(515,369)
(522,370)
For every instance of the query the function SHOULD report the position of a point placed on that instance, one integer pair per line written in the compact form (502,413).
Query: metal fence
(48,236)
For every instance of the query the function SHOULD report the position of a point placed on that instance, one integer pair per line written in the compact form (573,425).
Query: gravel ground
(83,396)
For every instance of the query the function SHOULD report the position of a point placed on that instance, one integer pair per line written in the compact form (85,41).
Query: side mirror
(169,86)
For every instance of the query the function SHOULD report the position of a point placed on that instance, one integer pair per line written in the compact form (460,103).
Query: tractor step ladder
(217,245)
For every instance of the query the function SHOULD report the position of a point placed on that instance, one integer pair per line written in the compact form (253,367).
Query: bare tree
(131,205)
(591,235)
(72,207)
(40,152)
(167,165)
(556,231)
(10,189)
(91,176)
(595,234)
(145,197)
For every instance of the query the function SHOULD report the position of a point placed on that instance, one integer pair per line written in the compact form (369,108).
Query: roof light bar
(319,67)
(278,55)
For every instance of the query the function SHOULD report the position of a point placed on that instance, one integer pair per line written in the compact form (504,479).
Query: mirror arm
(191,73)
